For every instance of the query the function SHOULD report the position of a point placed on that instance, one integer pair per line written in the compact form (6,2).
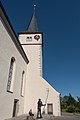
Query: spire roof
(33,26)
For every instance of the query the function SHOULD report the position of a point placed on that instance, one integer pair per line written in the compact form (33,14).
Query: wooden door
(50,108)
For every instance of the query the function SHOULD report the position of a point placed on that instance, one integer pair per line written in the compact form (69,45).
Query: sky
(59,20)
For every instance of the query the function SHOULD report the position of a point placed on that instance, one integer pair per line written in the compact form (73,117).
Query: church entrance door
(15,107)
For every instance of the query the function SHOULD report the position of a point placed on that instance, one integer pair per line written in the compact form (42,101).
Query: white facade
(10,74)
(36,86)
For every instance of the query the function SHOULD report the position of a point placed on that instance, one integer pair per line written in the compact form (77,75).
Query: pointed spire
(33,26)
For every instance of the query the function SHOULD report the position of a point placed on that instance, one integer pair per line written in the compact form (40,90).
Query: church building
(21,77)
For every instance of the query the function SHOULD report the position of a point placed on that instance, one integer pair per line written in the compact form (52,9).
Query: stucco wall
(33,50)
(36,85)
(37,88)
(8,50)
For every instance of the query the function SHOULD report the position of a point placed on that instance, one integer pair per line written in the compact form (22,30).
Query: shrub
(71,109)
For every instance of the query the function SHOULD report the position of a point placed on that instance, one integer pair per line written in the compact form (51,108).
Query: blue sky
(59,20)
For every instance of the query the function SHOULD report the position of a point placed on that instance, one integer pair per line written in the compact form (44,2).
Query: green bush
(69,104)
(70,109)
(77,110)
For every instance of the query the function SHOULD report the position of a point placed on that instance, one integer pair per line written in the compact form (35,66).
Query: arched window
(11,76)
(22,83)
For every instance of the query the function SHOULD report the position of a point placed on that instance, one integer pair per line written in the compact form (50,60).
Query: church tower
(31,41)
(36,86)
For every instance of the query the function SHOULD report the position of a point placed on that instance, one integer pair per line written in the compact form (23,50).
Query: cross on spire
(34,7)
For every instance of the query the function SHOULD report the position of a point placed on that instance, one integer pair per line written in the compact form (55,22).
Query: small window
(29,38)
(22,83)
(11,76)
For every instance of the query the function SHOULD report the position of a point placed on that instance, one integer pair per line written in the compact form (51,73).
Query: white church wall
(37,86)
(8,50)
(54,98)
(34,53)
(39,89)
(24,38)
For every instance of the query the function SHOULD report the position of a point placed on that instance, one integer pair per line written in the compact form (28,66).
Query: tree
(78,98)
(69,104)
(71,100)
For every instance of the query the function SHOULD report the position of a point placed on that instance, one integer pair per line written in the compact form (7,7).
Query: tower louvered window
(29,38)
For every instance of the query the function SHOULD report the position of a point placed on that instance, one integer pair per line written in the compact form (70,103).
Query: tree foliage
(69,104)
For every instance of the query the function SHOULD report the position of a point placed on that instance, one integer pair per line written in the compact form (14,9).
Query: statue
(39,105)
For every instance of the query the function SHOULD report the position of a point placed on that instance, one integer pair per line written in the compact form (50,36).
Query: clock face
(37,37)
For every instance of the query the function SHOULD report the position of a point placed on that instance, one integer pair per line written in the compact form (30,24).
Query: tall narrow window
(22,83)
(11,75)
